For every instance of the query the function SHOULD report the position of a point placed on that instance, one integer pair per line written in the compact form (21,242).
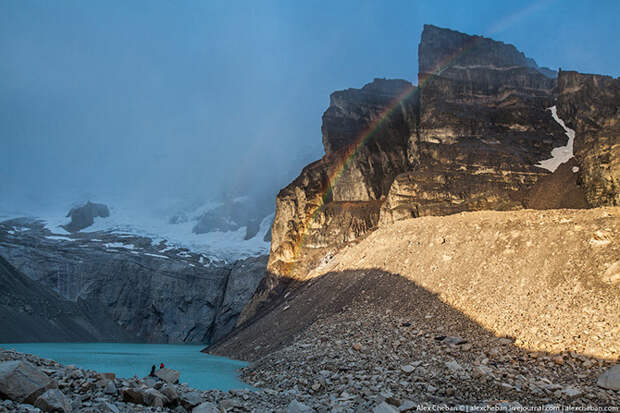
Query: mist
(167,103)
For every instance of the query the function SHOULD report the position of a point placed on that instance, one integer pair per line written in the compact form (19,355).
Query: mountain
(484,129)
(150,292)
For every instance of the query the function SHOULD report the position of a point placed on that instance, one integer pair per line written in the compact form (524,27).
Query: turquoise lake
(199,370)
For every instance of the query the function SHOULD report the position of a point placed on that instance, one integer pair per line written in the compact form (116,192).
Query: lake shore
(29,383)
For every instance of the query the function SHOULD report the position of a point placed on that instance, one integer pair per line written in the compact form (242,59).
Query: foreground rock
(610,379)
(21,381)
(123,288)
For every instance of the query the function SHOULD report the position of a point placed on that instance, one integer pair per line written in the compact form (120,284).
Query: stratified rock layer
(590,104)
(468,138)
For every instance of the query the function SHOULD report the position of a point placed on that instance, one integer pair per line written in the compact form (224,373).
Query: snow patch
(155,255)
(119,245)
(560,154)
(58,238)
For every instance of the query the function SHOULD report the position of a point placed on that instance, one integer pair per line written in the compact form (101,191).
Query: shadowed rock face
(590,104)
(147,294)
(467,138)
(84,216)
(30,311)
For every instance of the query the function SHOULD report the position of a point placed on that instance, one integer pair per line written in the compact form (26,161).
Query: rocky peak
(441,48)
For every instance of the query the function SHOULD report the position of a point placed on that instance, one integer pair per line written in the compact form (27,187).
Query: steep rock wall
(590,104)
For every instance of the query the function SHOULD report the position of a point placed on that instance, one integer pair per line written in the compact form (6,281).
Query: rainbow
(352,150)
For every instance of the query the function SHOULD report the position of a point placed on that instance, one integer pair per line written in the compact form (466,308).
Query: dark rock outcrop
(234,214)
(149,292)
(590,104)
(84,216)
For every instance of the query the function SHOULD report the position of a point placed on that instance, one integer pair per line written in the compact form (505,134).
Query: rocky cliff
(153,293)
(30,311)
(468,137)
(590,104)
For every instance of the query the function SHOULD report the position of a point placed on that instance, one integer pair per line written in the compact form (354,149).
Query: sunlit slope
(551,279)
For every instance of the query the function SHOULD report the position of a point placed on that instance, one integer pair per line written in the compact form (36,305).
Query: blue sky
(155,99)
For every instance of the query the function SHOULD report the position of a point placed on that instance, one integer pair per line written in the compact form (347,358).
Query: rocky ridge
(468,137)
(153,292)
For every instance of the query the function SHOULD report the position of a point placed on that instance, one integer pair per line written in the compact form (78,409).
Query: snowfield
(157,226)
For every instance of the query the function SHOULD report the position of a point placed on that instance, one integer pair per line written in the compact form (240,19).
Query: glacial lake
(199,370)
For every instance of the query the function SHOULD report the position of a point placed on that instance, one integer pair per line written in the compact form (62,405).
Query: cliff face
(149,292)
(590,104)
(467,138)
(366,134)
(30,311)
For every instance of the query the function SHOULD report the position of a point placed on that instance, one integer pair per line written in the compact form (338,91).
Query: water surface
(199,370)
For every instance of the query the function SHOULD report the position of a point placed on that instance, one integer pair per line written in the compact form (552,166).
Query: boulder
(170,392)
(22,382)
(384,407)
(610,379)
(154,398)
(190,399)
(131,395)
(297,407)
(110,388)
(53,401)
(206,407)
(168,375)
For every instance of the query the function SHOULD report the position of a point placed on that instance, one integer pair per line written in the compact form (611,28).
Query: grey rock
(53,401)
(170,392)
(206,407)
(110,388)
(297,407)
(610,379)
(384,407)
(20,381)
(154,398)
(168,375)
(191,399)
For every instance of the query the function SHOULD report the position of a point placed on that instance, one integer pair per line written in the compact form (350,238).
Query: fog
(166,102)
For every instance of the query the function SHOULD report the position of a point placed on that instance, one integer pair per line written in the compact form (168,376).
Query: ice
(560,154)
